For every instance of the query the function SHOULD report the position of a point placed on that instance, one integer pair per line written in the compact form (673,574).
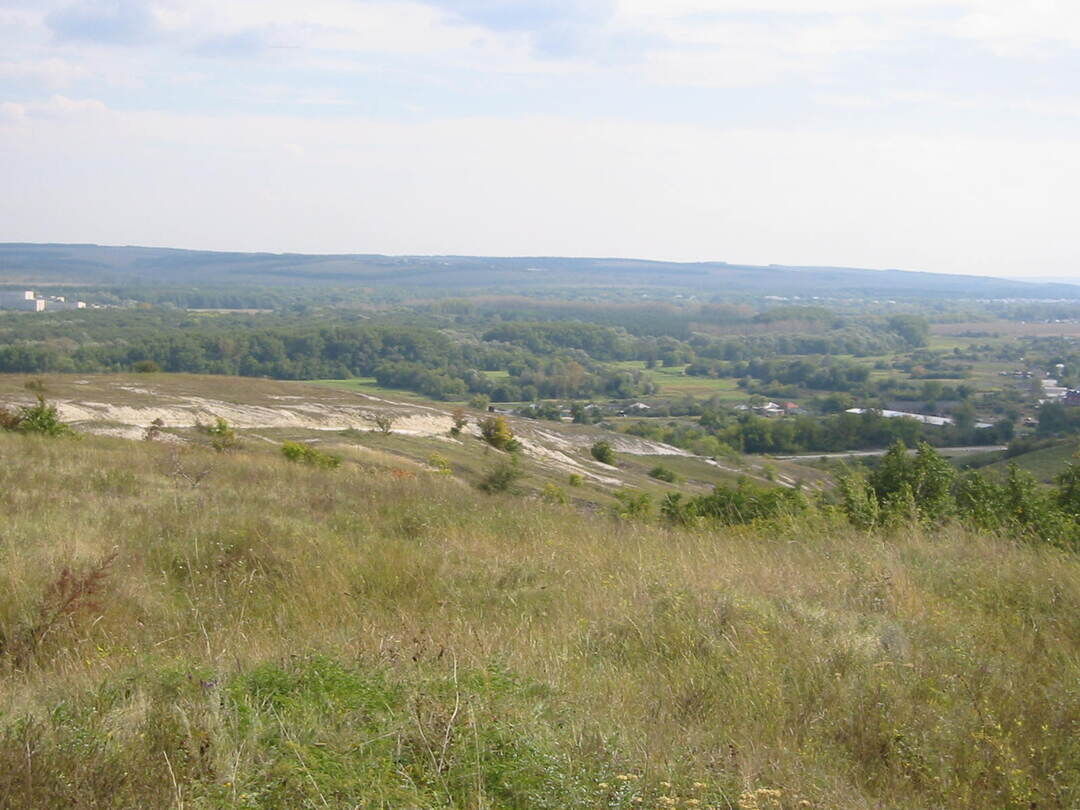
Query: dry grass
(281,636)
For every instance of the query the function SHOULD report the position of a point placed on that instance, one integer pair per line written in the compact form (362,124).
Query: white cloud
(1020,28)
(10,111)
(55,107)
(52,72)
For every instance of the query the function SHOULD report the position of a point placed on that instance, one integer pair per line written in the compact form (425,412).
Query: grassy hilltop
(181,628)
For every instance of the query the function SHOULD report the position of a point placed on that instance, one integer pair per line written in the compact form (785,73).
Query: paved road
(945,451)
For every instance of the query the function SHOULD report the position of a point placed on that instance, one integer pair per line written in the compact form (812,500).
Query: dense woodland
(554,356)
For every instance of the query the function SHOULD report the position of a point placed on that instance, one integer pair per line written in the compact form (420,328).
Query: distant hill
(100,265)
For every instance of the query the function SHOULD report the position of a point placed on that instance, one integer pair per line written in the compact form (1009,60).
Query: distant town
(27,301)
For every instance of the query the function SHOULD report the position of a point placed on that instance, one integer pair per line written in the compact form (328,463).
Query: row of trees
(725,431)
(822,373)
(924,487)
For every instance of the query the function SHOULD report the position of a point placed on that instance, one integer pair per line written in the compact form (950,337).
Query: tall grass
(280,635)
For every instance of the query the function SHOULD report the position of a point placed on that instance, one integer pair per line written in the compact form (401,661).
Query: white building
(26,301)
(22,300)
(926,419)
(59,304)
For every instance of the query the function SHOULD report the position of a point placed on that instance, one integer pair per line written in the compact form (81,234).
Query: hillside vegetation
(185,628)
(20,262)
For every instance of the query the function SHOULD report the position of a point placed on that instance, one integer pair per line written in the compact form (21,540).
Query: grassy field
(1044,464)
(674,382)
(996,329)
(340,417)
(180,628)
(368,385)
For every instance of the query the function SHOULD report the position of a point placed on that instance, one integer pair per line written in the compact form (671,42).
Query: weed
(71,594)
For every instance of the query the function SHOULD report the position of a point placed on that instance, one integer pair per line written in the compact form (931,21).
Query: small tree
(496,431)
(222,437)
(603,452)
(384,422)
(460,419)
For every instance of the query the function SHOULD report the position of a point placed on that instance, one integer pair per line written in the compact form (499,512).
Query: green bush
(633,504)
(501,477)
(222,437)
(662,473)
(603,452)
(41,418)
(496,431)
(440,464)
(553,493)
(925,488)
(306,454)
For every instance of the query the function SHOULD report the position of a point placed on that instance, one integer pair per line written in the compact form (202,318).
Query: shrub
(633,504)
(40,418)
(501,477)
(146,367)
(384,422)
(603,452)
(743,503)
(440,464)
(153,430)
(460,419)
(496,431)
(662,473)
(306,454)
(553,493)
(222,437)
(575,480)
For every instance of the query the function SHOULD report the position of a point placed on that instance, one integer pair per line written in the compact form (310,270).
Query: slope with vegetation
(186,627)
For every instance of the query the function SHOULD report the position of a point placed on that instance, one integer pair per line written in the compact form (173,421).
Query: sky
(916,134)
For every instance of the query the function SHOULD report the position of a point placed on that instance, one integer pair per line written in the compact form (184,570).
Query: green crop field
(674,382)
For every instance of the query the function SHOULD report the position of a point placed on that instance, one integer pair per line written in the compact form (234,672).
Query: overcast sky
(919,134)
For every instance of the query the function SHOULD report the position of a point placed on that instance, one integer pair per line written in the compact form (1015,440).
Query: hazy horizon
(927,135)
